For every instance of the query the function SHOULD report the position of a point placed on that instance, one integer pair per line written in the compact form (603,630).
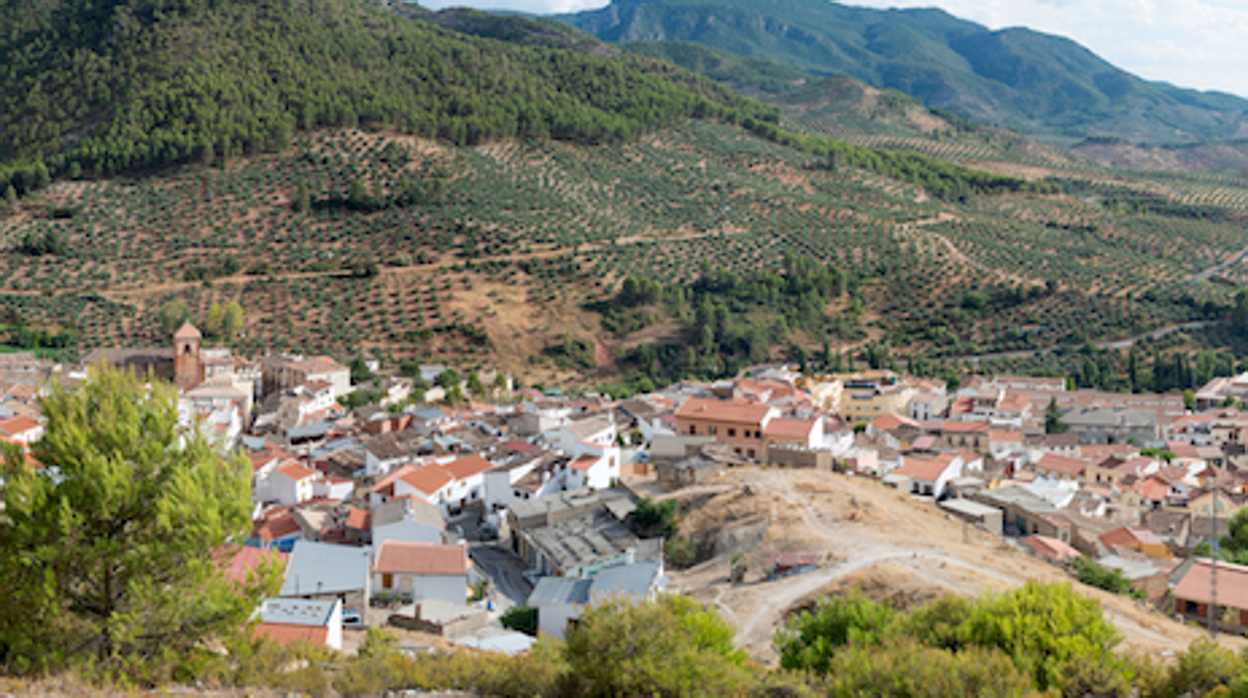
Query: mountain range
(1041,85)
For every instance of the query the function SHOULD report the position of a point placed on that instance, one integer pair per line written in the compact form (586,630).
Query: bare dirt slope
(888,544)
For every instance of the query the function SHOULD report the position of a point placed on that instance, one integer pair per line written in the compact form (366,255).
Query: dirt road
(872,536)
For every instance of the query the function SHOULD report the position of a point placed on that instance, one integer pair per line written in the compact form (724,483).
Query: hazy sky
(1191,43)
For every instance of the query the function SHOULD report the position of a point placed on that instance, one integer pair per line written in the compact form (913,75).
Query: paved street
(505,570)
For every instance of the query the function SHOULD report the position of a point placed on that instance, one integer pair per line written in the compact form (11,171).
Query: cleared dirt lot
(884,542)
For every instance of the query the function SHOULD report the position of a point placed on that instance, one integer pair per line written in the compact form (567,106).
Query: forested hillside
(1018,78)
(113,86)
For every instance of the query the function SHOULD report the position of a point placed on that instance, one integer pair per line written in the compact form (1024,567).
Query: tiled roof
(585,462)
(791,428)
(16,425)
(285,634)
(400,557)
(889,422)
(249,558)
(1232,584)
(294,471)
(722,411)
(359,519)
(278,527)
(925,469)
(1062,464)
(467,467)
(1126,536)
(1051,548)
(428,479)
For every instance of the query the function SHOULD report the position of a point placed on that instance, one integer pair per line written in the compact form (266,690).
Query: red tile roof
(360,519)
(400,557)
(790,428)
(722,411)
(925,469)
(585,462)
(467,466)
(1061,464)
(1051,548)
(428,479)
(1127,536)
(16,425)
(248,559)
(1153,489)
(294,471)
(385,486)
(1005,435)
(964,427)
(889,422)
(277,527)
(520,446)
(1232,584)
(286,634)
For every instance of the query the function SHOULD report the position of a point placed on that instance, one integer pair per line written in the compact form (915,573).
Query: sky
(1201,44)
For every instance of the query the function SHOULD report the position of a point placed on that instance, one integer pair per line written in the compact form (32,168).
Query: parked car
(352,617)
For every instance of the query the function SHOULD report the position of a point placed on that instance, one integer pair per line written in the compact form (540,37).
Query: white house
(467,486)
(422,570)
(928,476)
(287,621)
(559,600)
(598,431)
(407,519)
(291,483)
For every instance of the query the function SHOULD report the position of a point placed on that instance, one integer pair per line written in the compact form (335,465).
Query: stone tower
(188,372)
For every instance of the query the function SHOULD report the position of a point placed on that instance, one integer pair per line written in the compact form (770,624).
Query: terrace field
(356,240)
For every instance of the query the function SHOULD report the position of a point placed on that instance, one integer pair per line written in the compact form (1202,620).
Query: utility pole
(1213,563)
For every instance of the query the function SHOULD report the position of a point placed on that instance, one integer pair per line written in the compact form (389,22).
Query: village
(450,516)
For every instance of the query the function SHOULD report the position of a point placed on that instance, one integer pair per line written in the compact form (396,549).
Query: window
(732,432)
(750,453)
(387,581)
(693,429)
(1191,607)
(714,430)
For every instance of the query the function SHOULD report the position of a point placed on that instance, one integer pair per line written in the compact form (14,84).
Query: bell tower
(188,372)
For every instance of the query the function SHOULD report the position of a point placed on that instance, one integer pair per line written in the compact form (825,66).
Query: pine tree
(113,544)
(1053,423)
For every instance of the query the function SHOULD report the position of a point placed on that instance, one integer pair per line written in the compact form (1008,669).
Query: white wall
(408,531)
(553,619)
(453,588)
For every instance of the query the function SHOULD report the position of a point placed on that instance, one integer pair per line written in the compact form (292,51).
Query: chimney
(630,556)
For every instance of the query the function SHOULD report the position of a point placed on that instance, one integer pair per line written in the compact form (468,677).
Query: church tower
(188,372)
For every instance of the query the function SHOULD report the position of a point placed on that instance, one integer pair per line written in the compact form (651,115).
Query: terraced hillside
(420,249)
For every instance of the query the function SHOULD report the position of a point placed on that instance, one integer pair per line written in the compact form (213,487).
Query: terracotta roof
(1232,584)
(1101,451)
(467,466)
(249,558)
(285,634)
(402,557)
(387,482)
(294,471)
(1014,403)
(428,479)
(964,427)
(925,469)
(187,331)
(267,455)
(359,519)
(278,527)
(1126,536)
(1062,464)
(795,428)
(722,411)
(318,386)
(889,422)
(585,462)
(1153,489)
(1003,435)
(520,446)
(16,425)
(1051,548)
(324,364)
